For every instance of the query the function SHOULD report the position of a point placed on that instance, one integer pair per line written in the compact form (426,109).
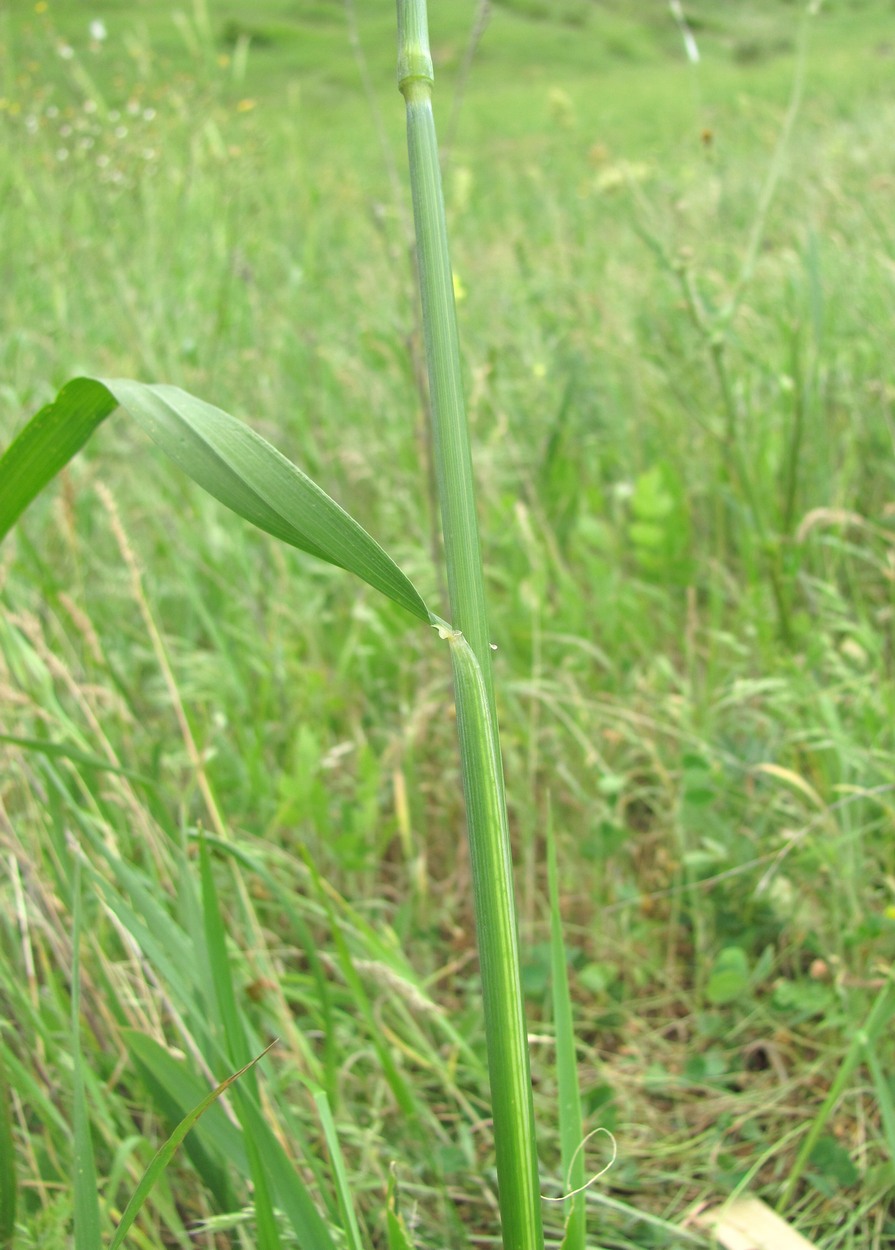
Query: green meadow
(221,758)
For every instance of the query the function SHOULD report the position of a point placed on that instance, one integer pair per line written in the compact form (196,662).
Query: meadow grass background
(691,557)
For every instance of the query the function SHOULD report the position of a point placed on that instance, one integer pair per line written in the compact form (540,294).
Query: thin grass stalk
(571,1129)
(496,926)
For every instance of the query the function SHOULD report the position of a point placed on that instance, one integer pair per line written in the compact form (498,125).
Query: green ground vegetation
(681,391)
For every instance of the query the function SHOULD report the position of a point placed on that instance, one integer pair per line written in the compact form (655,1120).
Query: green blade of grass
(884,1100)
(270,1167)
(399,1087)
(508,1063)
(880,1013)
(86,1204)
(398,1236)
(47,443)
(173,1089)
(482,767)
(166,1153)
(234,1034)
(570,1120)
(60,751)
(343,1187)
(8,1184)
(222,454)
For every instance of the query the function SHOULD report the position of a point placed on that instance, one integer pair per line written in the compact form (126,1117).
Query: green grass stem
(8,1180)
(482,769)
(861,1047)
(86,1206)
(571,1131)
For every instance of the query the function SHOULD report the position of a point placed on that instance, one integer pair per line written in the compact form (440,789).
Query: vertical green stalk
(508,1061)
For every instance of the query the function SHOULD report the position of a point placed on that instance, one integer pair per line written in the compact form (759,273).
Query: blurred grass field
(689,526)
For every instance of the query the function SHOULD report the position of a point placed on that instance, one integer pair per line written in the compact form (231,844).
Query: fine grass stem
(8,1181)
(570,1120)
(86,1206)
(862,1048)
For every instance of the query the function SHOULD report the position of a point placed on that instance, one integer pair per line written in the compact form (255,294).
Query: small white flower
(98,30)
(66,51)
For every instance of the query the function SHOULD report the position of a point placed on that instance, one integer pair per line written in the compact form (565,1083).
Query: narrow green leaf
(47,443)
(291,1192)
(883,1092)
(173,1089)
(492,877)
(570,1120)
(399,1087)
(86,1202)
(270,1166)
(8,1185)
(398,1236)
(343,1186)
(61,751)
(166,1153)
(225,457)
(234,1033)
(879,1016)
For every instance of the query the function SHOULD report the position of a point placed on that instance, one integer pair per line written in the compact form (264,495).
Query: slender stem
(496,927)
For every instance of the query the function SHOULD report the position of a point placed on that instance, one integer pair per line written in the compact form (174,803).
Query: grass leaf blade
(340,1174)
(223,455)
(570,1122)
(166,1153)
(8,1185)
(496,926)
(235,1038)
(47,443)
(86,1203)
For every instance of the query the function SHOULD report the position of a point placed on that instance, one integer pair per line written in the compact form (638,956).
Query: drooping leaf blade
(225,456)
